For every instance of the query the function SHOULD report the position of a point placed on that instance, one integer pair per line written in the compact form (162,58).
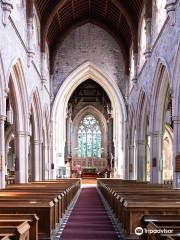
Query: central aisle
(89,219)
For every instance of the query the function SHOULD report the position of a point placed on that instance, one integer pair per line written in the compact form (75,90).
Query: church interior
(89,119)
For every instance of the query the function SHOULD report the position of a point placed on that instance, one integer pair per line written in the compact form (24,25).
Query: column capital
(2,118)
(176,119)
(170,8)
(36,142)
(156,133)
(7,7)
(22,133)
(140,142)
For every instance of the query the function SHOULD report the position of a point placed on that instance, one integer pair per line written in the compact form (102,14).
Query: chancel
(89,119)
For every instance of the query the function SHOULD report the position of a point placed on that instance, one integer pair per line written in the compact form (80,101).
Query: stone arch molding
(58,117)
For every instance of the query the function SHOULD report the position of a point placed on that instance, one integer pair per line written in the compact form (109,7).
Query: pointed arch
(160,91)
(18,90)
(35,111)
(141,113)
(161,84)
(142,122)
(89,71)
(99,117)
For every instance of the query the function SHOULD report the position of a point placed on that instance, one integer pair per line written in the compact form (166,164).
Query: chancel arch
(82,73)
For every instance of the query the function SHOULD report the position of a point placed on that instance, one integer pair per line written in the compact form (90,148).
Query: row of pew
(153,207)
(34,211)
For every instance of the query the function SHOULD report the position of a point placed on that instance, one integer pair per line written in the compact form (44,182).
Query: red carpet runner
(89,219)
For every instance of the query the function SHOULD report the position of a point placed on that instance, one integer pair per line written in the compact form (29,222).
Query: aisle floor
(89,219)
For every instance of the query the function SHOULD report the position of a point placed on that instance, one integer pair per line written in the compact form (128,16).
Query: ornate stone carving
(170,8)
(7,7)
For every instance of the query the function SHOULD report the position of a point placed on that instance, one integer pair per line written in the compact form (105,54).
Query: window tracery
(89,137)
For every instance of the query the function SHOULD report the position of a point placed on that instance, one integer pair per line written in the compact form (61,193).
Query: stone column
(156,157)
(148,37)
(45,167)
(140,160)
(176,150)
(30,36)
(36,160)
(21,166)
(135,68)
(43,69)
(110,150)
(131,162)
(2,152)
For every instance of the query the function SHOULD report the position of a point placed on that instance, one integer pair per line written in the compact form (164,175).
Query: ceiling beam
(47,22)
(133,27)
(106,6)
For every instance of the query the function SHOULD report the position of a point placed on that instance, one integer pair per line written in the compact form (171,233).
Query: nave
(68,210)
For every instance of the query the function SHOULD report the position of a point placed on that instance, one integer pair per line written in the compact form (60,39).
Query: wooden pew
(16,230)
(32,220)
(167,222)
(40,198)
(131,200)
(5,236)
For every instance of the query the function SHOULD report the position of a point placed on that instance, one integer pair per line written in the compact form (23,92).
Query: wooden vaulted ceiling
(119,17)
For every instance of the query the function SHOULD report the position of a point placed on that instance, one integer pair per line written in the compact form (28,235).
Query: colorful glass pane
(89,137)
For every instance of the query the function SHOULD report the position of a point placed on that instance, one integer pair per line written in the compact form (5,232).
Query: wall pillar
(131,162)
(135,68)
(176,150)
(36,160)
(2,152)
(45,167)
(21,163)
(156,157)
(148,37)
(140,145)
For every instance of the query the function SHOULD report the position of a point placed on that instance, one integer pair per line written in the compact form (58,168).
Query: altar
(89,173)
(89,167)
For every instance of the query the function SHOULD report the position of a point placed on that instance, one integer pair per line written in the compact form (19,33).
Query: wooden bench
(5,236)
(32,220)
(15,230)
(160,222)
(48,200)
(131,200)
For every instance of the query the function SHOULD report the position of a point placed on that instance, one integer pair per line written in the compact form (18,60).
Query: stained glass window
(89,137)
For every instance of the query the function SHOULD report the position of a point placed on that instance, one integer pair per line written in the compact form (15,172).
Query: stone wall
(89,43)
